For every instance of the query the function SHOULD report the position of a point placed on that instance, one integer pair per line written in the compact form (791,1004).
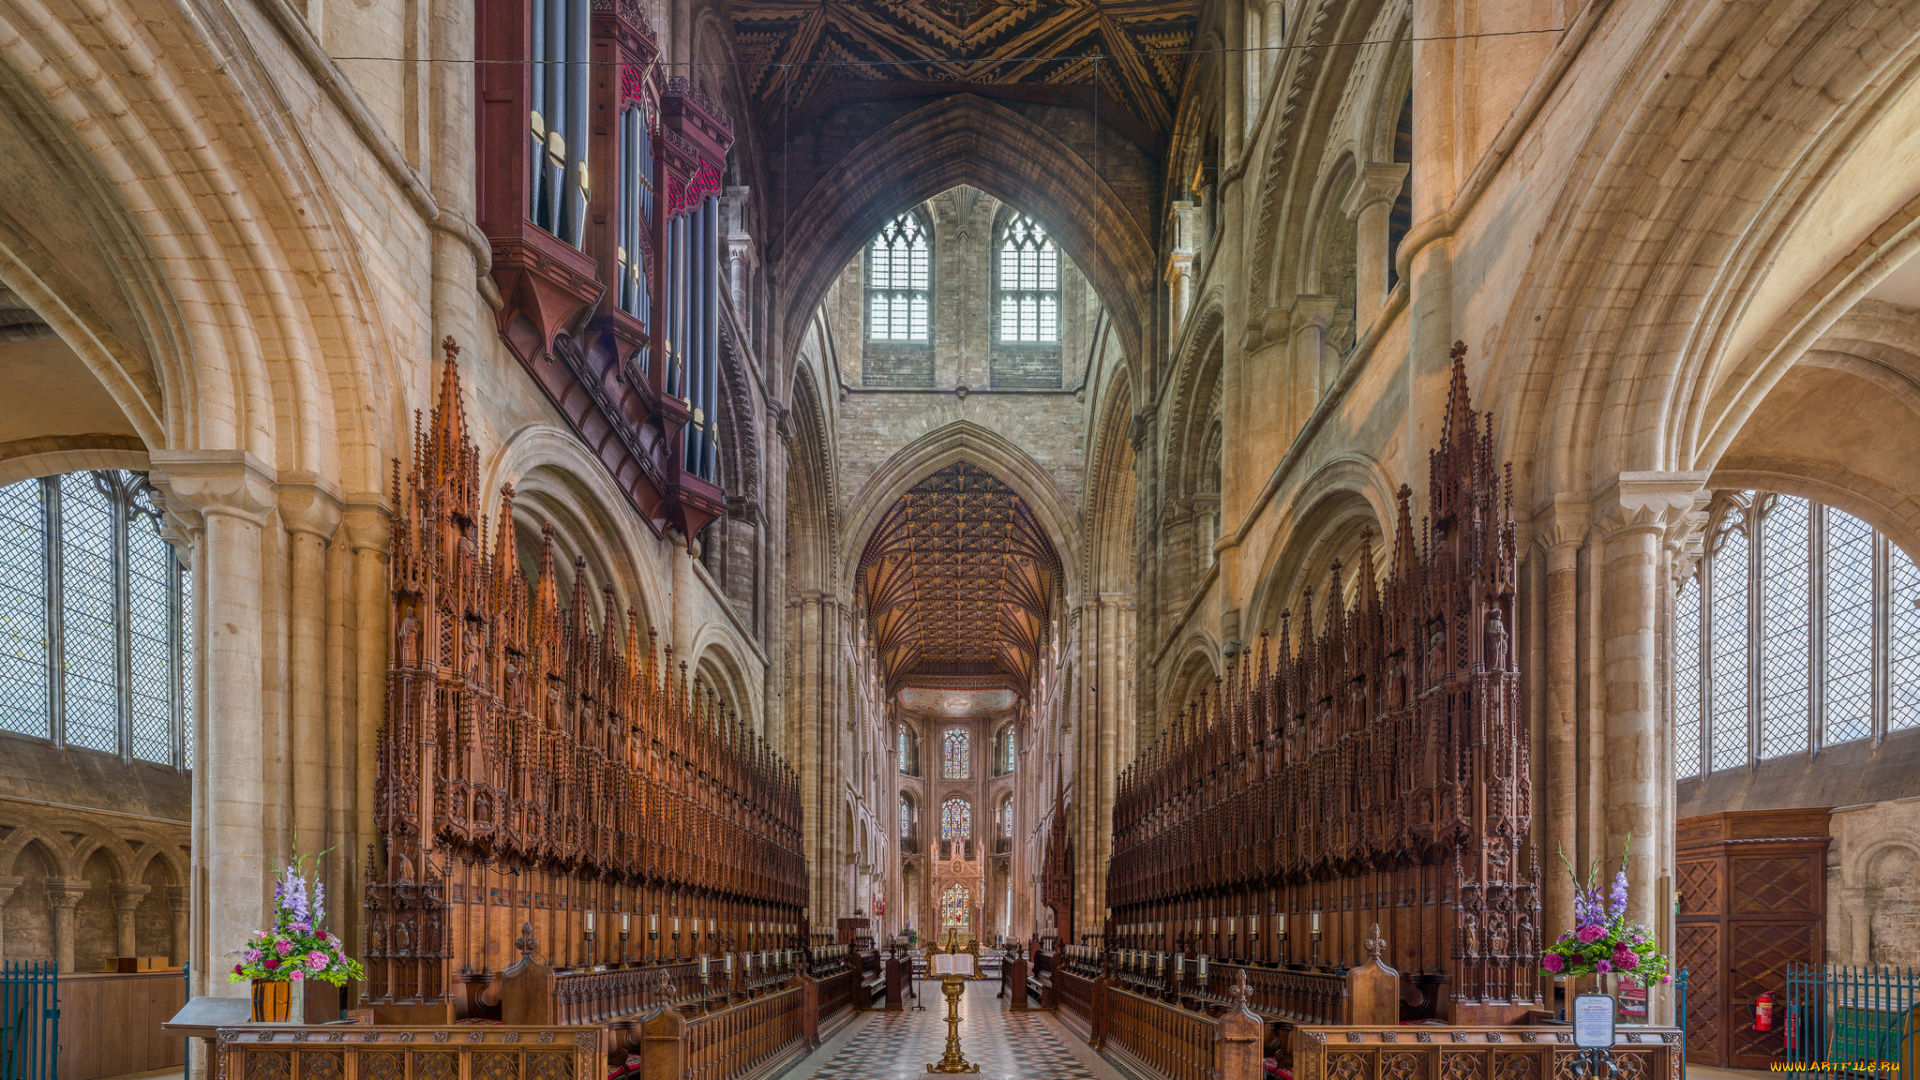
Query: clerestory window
(1029,283)
(899,265)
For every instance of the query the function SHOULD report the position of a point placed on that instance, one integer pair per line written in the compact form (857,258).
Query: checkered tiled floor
(1006,1046)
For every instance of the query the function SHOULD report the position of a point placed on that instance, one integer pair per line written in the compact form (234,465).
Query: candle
(676,926)
(710,926)
(1213,926)
(1313,923)
(623,923)
(729,963)
(653,923)
(703,966)
(1179,963)
(589,922)
(1233,927)
(1203,965)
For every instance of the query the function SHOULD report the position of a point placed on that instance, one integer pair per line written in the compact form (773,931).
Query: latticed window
(956,755)
(95,632)
(1798,630)
(1006,818)
(904,754)
(898,269)
(956,819)
(906,818)
(1029,283)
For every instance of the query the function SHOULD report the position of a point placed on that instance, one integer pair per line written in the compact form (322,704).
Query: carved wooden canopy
(805,54)
(959,580)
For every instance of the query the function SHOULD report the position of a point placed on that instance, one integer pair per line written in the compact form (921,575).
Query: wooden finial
(1375,944)
(1242,991)
(526,942)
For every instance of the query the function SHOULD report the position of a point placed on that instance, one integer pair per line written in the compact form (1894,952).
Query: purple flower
(1588,934)
(1603,967)
(252,955)
(1618,901)
(283,947)
(1554,962)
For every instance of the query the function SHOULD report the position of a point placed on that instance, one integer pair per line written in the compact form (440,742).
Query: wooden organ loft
(1378,773)
(598,184)
(553,799)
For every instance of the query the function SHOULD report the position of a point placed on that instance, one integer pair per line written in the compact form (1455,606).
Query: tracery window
(904,750)
(906,818)
(956,755)
(898,269)
(1029,283)
(96,633)
(956,819)
(1006,817)
(1798,630)
(956,906)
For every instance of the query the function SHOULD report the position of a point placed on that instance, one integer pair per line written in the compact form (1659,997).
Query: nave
(1007,1045)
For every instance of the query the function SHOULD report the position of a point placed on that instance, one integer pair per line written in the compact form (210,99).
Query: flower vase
(272,1001)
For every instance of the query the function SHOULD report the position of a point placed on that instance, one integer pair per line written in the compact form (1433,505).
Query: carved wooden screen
(542,782)
(1752,900)
(1380,773)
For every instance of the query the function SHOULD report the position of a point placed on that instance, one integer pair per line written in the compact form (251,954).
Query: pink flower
(252,955)
(283,947)
(1554,962)
(1624,958)
(295,975)
(270,963)
(1591,933)
(322,935)
(236,969)
(1603,967)
(317,960)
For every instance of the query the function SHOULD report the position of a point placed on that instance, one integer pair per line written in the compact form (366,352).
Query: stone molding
(127,897)
(1377,182)
(309,505)
(65,893)
(1648,502)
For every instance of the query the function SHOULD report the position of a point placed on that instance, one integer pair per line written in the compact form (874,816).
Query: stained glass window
(956,819)
(1006,818)
(906,818)
(122,650)
(23,610)
(1011,755)
(1029,283)
(956,906)
(1781,574)
(956,753)
(1686,678)
(898,266)
(903,740)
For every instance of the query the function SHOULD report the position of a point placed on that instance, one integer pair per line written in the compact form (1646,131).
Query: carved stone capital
(366,518)
(1562,529)
(1647,502)
(65,893)
(8,883)
(1378,182)
(309,505)
(214,482)
(1310,311)
(128,897)
(179,898)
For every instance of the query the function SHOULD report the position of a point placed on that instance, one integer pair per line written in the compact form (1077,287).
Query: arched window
(956,906)
(1003,751)
(906,750)
(1787,601)
(956,819)
(906,818)
(1006,817)
(898,269)
(96,632)
(1029,283)
(956,755)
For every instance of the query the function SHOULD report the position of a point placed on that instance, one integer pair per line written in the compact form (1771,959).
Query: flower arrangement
(296,948)
(1602,941)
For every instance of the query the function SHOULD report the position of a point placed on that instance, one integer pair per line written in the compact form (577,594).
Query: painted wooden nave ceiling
(804,55)
(959,580)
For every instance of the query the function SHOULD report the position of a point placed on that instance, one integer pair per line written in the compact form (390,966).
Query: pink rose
(295,975)
(283,947)
(322,935)
(1591,933)
(1554,962)
(270,963)
(317,960)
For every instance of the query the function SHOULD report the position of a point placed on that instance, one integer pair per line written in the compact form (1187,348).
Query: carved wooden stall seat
(1378,771)
(1472,1053)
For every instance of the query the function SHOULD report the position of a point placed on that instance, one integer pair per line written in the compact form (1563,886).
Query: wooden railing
(1074,992)
(284,1052)
(739,1040)
(1481,1053)
(1169,1042)
(836,991)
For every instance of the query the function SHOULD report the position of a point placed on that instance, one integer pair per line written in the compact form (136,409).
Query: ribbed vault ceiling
(960,580)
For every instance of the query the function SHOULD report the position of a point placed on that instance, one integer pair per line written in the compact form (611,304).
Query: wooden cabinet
(110,1023)
(1753,899)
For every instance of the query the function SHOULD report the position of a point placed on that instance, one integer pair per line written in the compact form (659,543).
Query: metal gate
(29,1020)
(1852,1019)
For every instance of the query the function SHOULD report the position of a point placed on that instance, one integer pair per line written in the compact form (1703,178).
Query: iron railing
(1859,1020)
(1680,982)
(29,1020)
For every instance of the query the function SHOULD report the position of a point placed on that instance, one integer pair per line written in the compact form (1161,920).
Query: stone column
(63,895)
(231,491)
(365,519)
(1563,532)
(126,903)
(179,905)
(1633,516)
(1368,204)
(310,512)
(1309,318)
(8,884)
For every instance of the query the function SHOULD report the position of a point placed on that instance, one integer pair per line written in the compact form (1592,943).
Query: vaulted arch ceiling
(803,56)
(960,581)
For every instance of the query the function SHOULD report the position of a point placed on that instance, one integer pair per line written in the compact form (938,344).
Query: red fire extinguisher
(1763,1012)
